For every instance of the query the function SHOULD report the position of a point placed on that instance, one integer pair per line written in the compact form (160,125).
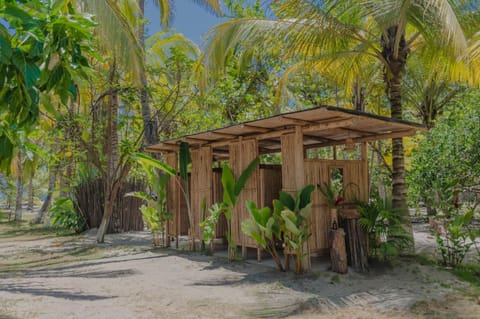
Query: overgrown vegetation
(231,191)
(287,223)
(386,236)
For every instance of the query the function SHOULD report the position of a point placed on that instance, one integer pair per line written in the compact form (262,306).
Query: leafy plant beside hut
(182,175)
(386,236)
(288,220)
(231,192)
(333,197)
(154,212)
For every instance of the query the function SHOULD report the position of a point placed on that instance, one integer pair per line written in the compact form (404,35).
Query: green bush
(386,236)
(63,215)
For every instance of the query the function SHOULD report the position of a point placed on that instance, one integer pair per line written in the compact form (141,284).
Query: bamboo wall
(241,154)
(201,183)
(355,184)
(221,227)
(270,184)
(89,198)
(176,203)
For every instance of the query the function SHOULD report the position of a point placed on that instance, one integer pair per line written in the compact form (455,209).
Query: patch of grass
(335,279)
(426,260)
(469,273)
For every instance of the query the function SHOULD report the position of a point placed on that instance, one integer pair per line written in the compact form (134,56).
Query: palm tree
(149,124)
(328,33)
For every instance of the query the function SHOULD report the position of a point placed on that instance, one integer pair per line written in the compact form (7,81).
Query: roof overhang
(321,126)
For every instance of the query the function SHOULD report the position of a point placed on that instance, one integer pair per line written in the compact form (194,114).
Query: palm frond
(117,33)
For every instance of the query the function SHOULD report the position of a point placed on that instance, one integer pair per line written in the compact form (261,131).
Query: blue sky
(190,19)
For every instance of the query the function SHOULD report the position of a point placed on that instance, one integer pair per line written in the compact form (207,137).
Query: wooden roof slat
(328,125)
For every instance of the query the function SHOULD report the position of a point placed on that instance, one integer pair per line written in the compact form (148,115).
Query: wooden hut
(291,135)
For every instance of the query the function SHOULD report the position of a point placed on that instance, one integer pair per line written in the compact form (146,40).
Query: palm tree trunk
(46,204)
(149,124)
(30,190)
(393,78)
(112,159)
(19,190)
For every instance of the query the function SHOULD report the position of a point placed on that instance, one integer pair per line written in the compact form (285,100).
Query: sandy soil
(83,280)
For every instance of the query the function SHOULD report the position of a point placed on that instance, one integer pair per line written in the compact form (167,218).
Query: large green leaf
(251,229)
(305,211)
(261,215)
(185,159)
(304,197)
(152,162)
(290,222)
(242,180)
(287,200)
(228,183)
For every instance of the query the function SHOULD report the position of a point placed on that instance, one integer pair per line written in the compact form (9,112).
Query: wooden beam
(227,135)
(329,125)
(305,122)
(261,129)
(405,133)
(274,134)
(195,140)
(162,147)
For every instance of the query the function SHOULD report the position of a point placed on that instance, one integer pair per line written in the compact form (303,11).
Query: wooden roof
(321,126)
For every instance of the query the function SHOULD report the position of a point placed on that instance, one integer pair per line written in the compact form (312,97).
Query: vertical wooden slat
(201,184)
(173,197)
(241,154)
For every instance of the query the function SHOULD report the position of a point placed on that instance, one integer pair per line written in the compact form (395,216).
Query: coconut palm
(166,9)
(350,34)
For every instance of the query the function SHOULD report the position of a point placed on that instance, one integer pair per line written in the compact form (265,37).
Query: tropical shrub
(154,211)
(231,191)
(265,227)
(64,216)
(456,238)
(287,221)
(386,236)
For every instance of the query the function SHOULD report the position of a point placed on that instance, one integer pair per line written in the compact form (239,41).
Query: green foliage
(209,223)
(155,212)
(45,54)
(295,226)
(185,160)
(232,188)
(287,221)
(264,227)
(331,194)
(469,273)
(447,157)
(386,236)
(63,215)
(456,238)
(231,192)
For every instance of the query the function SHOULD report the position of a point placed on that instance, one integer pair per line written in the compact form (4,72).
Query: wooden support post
(338,251)
(259,254)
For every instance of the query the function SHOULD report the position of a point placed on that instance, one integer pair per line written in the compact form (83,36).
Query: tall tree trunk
(112,159)
(46,204)
(358,97)
(30,190)
(19,190)
(150,124)
(393,79)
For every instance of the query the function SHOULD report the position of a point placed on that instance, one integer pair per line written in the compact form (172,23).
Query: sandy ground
(126,279)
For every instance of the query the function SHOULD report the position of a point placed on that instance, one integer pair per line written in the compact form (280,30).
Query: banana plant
(231,192)
(288,220)
(149,162)
(294,214)
(154,212)
(265,228)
